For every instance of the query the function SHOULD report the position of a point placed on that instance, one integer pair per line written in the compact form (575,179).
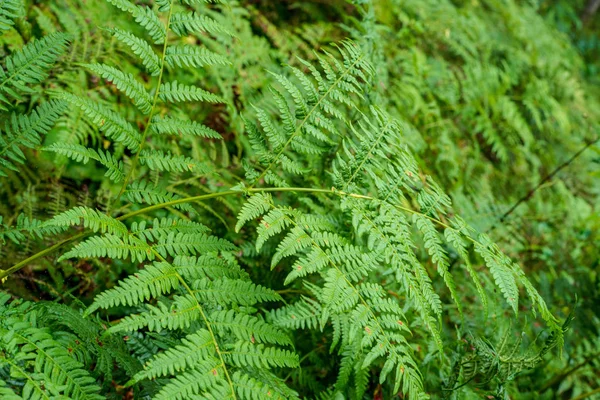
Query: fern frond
(190,244)
(205,381)
(126,83)
(77,152)
(164,226)
(30,65)
(159,161)
(140,48)
(111,246)
(251,388)
(248,354)
(145,17)
(303,314)
(501,268)
(455,239)
(433,244)
(254,207)
(178,92)
(209,266)
(112,124)
(227,291)
(26,131)
(173,126)
(271,224)
(145,192)
(193,56)
(248,327)
(91,219)
(179,315)
(193,349)
(50,363)
(184,23)
(25,225)
(154,280)
(9,11)
(309,122)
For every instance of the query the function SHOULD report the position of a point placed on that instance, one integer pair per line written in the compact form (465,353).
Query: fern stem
(39,254)
(171,203)
(152,110)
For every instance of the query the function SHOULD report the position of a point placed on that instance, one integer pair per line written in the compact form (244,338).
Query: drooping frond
(77,152)
(25,227)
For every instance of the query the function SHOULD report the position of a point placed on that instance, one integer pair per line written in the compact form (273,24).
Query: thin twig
(543,181)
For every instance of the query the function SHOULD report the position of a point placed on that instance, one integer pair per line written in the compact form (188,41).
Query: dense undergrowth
(298,199)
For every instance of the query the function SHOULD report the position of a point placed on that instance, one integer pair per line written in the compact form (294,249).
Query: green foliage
(343,200)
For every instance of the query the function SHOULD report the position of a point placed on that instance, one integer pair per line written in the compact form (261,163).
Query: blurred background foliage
(493,96)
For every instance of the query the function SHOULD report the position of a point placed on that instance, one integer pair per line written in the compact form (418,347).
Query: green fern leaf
(26,131)
(179,315)
(145,192)
(183,23)
(83,154)
(164,226)
(160,161)
(190,244)
(205,381)
(25,225)
(9,11)
(248,327)
(433,244)
(154,280)
(145,17)
(252,388)
(209,266)
(112,124)
(227,291)
(126,83)
(178,92)
(173,126)
(256,206)
(501,269)
(194,348)
(91,219)
(111,246)
(193,56)
(50,362)
(246,353)
(140,48)
(30,65)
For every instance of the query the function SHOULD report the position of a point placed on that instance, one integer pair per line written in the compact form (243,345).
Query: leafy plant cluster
(257,200)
